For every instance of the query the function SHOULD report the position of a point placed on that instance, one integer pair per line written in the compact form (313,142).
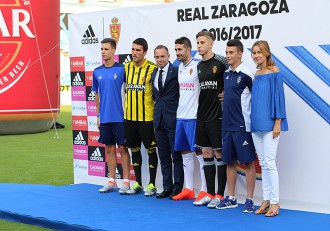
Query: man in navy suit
(165,88)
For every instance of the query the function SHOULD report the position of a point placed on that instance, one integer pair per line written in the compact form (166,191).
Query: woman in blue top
(268,119)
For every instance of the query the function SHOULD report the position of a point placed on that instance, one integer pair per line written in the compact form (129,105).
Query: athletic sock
(137,163)
(153,164)
(222,176)
(188,168)
(201,167)
(210,171)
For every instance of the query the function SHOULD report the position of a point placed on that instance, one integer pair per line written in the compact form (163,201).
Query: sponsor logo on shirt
(208,85)
(135,87)
(187,86)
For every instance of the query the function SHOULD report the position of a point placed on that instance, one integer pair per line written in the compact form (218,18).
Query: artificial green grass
(37,159)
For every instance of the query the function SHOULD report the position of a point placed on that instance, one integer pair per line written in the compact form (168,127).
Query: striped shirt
(139,103)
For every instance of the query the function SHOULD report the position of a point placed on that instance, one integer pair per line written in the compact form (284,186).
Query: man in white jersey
(185,137)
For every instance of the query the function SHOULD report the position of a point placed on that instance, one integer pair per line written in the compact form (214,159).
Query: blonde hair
(265,49)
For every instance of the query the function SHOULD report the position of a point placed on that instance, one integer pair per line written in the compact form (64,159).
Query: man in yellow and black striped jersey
(138,114)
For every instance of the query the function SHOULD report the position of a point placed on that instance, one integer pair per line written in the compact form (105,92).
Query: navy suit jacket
(167,101)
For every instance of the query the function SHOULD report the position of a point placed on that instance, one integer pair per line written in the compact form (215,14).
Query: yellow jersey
(139,102)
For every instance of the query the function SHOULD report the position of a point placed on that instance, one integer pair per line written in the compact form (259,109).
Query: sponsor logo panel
(131,169)
(125,58)
(92,123)
(79,108)
(78,93)
(89,36)
(93,138)
(90,95)
(79,123)
(80,137)
(80,152)
(91,65)
(89,78)
(116,58)
(91,109)
(77,64)
(96,154)
(97,168)
(80,166)
(78,78)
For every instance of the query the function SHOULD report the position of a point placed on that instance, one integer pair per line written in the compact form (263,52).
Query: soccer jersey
(139,103)
(210,74)
(189,90)
(237,99)
(108,83)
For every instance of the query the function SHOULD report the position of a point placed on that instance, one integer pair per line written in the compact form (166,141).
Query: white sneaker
(204,201)
(110,187)
(124,188)
(214,202)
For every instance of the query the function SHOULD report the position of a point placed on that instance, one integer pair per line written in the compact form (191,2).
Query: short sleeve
(95,86)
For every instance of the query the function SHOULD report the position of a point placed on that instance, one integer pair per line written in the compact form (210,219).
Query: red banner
(29,59)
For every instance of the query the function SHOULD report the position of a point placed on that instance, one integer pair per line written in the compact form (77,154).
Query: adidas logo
(128,59)
(89,36)
(245,143)
(77,81)
(96,155)
(91,96)
(79,139)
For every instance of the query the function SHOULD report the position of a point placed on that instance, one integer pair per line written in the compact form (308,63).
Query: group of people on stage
(214,108)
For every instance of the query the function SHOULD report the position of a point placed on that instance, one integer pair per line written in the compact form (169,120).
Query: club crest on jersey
(115,76)
(239,79)
(191,71)
(214,69)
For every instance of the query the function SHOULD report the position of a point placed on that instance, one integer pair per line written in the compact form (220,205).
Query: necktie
(160,81)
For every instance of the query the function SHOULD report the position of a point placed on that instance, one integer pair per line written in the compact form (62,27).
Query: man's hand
(221,96)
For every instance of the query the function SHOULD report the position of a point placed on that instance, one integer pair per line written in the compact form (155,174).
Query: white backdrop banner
(300,45)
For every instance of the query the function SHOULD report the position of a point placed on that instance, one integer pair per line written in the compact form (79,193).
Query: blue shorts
(237,146)
(112,133)
(185,138)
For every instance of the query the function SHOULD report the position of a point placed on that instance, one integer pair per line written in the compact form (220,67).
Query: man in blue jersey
(236,133)
(108,83)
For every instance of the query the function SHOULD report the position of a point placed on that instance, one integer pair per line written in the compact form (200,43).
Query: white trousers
(266,148)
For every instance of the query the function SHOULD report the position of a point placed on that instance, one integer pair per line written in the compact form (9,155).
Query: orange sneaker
(200,195)
(185,194)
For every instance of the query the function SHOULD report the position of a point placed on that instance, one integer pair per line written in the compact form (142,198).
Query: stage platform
(82,207)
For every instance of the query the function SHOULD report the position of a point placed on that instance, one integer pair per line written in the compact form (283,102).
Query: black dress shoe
(174,193)
(164,194)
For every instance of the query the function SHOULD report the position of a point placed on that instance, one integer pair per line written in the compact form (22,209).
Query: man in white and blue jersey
(236,134)
(108,83)
(185,138)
